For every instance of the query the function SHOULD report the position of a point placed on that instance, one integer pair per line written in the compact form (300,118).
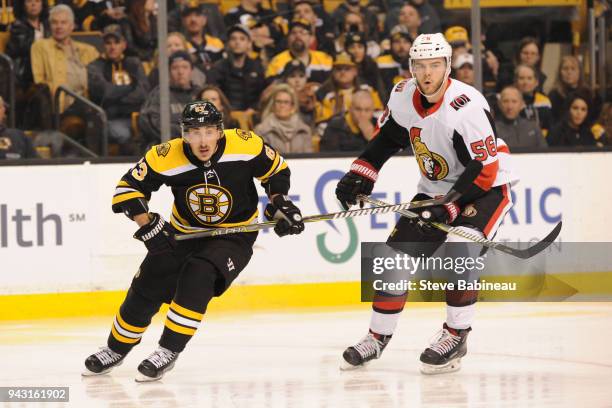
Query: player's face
(526,80)
(578,112)
(511,103)
(429,73)
(202,141)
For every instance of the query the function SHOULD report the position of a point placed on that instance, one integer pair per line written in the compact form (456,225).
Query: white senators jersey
(447,136)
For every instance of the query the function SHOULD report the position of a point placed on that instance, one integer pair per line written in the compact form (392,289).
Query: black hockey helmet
(201,113)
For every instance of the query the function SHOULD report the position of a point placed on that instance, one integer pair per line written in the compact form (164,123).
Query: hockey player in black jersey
(210,171)
(449,127)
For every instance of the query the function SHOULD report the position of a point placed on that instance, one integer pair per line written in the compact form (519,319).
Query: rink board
(60,244)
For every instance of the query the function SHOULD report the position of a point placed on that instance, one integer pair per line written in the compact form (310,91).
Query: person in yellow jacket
(59,60)
(335,95)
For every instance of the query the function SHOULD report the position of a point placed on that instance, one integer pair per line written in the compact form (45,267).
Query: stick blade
(544,243)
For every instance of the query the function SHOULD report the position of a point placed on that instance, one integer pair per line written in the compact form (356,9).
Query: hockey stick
(519,253)
(378,209)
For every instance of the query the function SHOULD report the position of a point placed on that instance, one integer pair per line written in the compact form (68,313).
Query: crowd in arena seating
(304,79)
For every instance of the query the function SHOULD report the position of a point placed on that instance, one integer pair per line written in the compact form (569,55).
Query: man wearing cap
(181,92)
(318,64)
(14,144)
(336,94)
(208,49)
(214,24)
(251,13)
(240,77)
(463,68)
(117,83)
(390,65)
(322,23)
(59,60)
(354,6)
(356,46)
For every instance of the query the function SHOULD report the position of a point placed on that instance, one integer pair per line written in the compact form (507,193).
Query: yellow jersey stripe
(121,338)
(178,216)
(127,196)
(123,183)
(186,312)
(275,163)
(179,329)
(129,327)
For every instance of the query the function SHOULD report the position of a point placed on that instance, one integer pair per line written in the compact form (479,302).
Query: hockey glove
(157,235)
(359,180)
(446,213)
(288,217)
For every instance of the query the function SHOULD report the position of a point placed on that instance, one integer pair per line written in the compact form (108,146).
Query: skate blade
(141,378)
(346,366)
(450,367)
(88,373)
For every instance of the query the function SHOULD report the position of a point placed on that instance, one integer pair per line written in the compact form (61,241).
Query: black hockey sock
(194,290)
(132,320)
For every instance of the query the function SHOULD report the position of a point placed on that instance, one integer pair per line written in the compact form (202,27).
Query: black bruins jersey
(217,193)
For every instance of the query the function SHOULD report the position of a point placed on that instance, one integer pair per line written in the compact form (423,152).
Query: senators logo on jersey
(432,165)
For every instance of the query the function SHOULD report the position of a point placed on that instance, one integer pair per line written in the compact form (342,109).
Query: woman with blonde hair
(282,127)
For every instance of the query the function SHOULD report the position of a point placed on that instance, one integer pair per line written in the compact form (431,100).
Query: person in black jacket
(575,129)
(240,78)
(117,83)
(356,45)
(14,144)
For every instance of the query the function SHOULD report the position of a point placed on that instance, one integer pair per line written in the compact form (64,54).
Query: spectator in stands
(282,126)
(322,25)
(537,105)
(370,21)
(575,128)
(218,98)
(30,25)
(106,13)
(356,23)
(59,60)
(430,21)
(240,77)
(605,121)
(14,144)
(318,64)
(264,46)
(390,65)
(356,47)
(118,84)
(215,26)
(177,42)
(181,92)
(294,75)
(515,130)
(208,49)
(410,20)
(463,68)
(352,130)
(140,28)
(84,13)
(528,53)
(570,78)
(335,94)
(251,13)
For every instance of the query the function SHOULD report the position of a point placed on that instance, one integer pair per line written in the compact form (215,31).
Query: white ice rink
(520,355)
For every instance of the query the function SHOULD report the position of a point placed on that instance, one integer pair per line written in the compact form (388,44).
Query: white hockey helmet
(427,46)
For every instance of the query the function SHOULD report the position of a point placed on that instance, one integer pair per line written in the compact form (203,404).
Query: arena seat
(93,38)
(4,38)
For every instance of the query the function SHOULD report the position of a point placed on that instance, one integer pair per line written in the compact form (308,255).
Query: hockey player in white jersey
(451,131)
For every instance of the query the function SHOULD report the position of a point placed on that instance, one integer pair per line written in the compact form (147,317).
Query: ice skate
(445,352)
(369,348)
(102,362)
(156,365)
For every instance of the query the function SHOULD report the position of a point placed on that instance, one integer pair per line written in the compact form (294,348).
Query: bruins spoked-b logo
(432,165)
(210,204)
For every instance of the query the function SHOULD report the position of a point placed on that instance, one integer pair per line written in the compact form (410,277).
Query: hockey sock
(386,310)
(131,321)
(195,289)
(461,317)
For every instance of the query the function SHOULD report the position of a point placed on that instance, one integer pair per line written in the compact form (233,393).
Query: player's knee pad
(197,283)
(136,305)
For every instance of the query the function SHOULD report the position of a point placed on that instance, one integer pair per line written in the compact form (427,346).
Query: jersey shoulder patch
(166,156)
(242,142)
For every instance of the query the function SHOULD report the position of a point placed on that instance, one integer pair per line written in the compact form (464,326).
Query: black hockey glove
(157,235)
(288,216)
(445,213)
(359,180)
